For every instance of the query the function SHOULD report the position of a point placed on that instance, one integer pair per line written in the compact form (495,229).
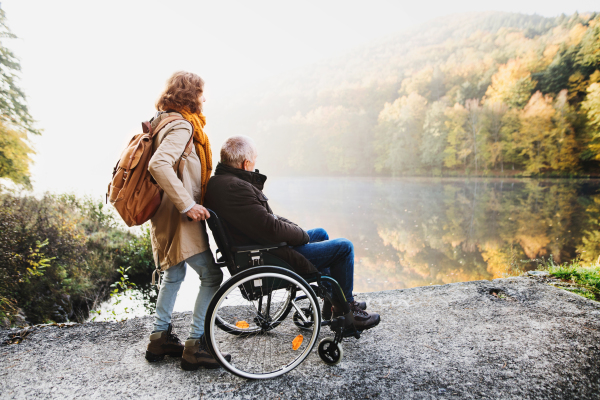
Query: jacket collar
(255,178)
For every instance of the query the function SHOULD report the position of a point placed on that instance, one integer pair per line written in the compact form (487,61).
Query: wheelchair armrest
(256,247)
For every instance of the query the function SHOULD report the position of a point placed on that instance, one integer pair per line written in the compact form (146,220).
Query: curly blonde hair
(183,90)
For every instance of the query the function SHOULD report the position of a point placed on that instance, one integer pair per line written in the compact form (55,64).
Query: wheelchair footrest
(343,328)
(351,332)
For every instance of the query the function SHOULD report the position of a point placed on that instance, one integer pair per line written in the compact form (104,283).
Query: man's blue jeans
(211,277)
(331,257)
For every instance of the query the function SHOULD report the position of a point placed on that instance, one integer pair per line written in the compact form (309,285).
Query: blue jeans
(332,257)
(211,277)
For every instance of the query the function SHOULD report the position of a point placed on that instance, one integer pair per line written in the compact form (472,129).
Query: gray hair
(237,149)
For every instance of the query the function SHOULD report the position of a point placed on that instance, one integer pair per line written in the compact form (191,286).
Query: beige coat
(174,237)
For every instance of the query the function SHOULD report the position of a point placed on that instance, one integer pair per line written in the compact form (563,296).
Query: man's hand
(198,213)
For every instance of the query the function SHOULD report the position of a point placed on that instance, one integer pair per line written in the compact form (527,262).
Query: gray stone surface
(530,340)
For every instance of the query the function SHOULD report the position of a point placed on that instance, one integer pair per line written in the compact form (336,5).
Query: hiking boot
(196,355)
(327,310)
(363,320)
(164,343)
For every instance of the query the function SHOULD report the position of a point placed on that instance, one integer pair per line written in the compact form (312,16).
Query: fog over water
(410,232)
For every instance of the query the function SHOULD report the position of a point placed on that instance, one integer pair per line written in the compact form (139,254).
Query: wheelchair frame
(251,264)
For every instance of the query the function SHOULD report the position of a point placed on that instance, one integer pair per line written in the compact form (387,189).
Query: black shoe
(363,320)
(327,309)
(361,304)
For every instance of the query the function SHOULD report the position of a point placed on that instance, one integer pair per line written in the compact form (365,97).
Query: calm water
(411,232)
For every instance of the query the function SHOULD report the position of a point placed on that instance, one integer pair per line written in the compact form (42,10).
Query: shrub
(59,253)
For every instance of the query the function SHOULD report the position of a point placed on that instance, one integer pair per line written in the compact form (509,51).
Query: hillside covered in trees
(485,94)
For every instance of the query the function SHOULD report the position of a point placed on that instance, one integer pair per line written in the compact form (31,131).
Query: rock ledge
(506,338)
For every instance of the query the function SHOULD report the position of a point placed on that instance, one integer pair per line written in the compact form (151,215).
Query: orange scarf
(202,145)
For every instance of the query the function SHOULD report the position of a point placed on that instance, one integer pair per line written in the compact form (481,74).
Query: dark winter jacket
(237,198)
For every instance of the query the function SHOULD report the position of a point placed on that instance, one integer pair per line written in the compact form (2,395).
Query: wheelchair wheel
(299,321)
(266,342)
(330,352)
(279,310)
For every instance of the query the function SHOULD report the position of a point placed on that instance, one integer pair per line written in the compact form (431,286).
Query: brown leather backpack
(133,191)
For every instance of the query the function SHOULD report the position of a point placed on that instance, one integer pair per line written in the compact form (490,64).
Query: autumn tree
(474,127)
(512,84)
(562,153)
(455,152)
(435,135)
(15,120)
(465,134)
(591,105)
(536,126)
(495,112)
(400,133)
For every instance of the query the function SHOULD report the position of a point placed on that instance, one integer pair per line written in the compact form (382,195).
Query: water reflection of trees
(418,232)
(485,230)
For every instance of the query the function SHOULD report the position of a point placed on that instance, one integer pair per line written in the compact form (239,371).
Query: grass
(584,280)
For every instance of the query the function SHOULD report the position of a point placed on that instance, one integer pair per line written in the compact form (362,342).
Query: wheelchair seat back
(245,257)
(223,241)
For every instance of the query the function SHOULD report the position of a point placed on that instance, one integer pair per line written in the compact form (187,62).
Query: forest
(474,94)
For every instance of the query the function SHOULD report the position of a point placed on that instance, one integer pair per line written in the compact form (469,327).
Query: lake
(411,232)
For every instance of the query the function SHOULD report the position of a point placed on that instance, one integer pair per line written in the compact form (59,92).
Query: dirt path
(530,340)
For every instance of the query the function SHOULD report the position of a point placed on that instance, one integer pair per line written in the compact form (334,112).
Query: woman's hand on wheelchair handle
(197,213)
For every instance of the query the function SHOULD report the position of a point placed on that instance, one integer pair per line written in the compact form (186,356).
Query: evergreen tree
(591,105)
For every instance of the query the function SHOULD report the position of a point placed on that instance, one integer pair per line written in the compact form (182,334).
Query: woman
(177,231)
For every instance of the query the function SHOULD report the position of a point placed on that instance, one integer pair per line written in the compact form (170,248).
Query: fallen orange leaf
(242,324)
(297,342)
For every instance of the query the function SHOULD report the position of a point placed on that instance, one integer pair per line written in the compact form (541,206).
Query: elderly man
(235,194)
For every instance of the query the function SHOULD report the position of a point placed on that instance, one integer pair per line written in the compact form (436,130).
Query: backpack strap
(180,164)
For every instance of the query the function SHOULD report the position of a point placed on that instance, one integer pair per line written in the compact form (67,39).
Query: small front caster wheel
(330,352)
(299,322)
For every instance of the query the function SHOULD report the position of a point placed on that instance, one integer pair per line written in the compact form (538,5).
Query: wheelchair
(267,316)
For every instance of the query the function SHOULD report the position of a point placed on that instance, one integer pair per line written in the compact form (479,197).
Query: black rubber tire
(298,320)
(330,352)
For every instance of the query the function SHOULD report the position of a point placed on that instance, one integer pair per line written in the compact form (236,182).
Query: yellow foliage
(536,124)
(550,52)
(15,155)
(576,34)
(419,82)
(512,84)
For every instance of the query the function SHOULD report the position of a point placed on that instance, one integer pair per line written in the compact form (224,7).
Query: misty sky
(93,70)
